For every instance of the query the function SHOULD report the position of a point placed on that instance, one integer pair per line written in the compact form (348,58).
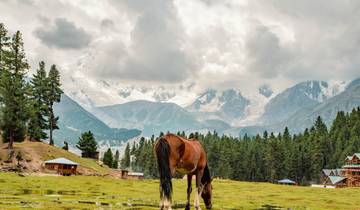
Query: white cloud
(211,44)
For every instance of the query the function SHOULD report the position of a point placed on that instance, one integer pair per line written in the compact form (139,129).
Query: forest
(267,157)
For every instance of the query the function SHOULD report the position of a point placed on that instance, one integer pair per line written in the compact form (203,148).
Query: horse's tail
(206,178)
(162,150)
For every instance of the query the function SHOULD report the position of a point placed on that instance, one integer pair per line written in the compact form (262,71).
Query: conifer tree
(12,90)
(4,46)
(116,159)
(53,96)
(38,109)
(66,146)
(125,162)
(87,144)
(108,158)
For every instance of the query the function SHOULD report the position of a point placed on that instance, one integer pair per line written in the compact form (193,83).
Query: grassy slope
(37,152)
(80,192)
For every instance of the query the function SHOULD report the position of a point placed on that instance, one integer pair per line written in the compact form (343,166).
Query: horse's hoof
(197,208)
(187,207)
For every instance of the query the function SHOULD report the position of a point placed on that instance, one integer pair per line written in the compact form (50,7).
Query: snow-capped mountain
(346,101)
(231,106)
(305,94)
(165,108)
(91,93)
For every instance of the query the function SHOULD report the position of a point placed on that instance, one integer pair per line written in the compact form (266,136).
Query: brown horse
(175,153)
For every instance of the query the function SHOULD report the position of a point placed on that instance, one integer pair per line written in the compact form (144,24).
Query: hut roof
(357,155)
(336,179)
(286,181)
(354,155)
(135,174)
(327,172)
(332,172)
(63,161)
(352,166)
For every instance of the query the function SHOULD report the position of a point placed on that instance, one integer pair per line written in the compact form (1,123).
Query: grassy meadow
(90,192)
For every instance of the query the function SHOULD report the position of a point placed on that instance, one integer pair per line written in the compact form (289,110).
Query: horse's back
(187,155)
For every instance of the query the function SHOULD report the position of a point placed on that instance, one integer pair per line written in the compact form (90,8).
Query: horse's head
(207,194)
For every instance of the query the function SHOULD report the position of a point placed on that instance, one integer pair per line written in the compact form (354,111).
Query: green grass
(89,192)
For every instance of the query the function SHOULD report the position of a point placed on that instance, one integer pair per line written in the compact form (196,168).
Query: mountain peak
(228,104)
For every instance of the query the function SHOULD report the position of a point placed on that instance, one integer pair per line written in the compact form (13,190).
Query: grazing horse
(175,153)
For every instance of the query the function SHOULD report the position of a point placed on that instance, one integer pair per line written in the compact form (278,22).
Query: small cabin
(347,176)
(122,173)
(135,175)
(62,166)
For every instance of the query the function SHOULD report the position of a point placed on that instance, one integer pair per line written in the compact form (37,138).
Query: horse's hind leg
(199,188)
(165,202)
(189,189)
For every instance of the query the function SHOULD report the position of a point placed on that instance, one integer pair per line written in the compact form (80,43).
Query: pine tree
(4,46)
(125,162)
(288,151)
(39,90)
(12,90)
(116,159)
(53,96)
(66,146)
(108,158)
(87,144)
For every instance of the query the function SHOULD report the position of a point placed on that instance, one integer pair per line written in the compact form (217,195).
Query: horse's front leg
(189,190)
(199,188)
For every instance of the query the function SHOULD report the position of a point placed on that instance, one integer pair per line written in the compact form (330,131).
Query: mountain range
(74,120)
(226,111)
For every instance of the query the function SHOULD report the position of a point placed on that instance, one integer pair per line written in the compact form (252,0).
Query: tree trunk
(11,140)
(50,136)
(51,127)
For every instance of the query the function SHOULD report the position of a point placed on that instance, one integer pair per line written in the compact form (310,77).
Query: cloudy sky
(204,43)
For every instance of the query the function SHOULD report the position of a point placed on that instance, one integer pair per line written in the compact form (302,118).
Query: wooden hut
(347,176)
(62,166)
(351,170)
(123,173)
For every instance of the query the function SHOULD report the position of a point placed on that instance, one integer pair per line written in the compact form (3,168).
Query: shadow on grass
(269,207)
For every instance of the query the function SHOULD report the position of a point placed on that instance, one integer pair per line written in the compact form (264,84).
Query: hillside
(150,117)
(34,153)
(74,119)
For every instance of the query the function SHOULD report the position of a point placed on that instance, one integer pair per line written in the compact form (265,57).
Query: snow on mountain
(303,118)
(301,95)
(235,107)
(231,106)
(91,93)
(255,109)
